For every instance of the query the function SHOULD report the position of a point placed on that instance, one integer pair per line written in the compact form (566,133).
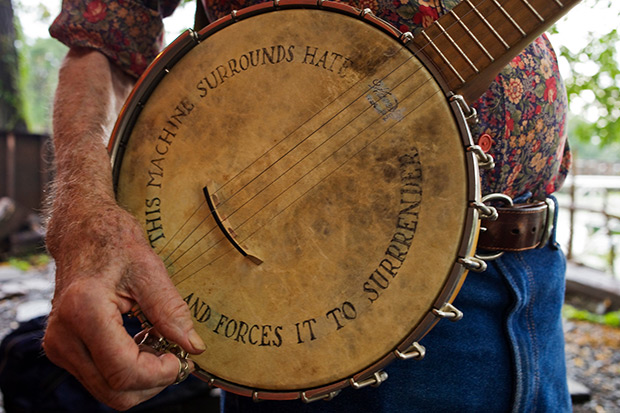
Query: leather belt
(518,228)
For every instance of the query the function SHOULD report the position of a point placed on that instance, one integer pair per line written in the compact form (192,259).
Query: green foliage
(593,84)
(611,319)
(39,61)
(11,106)
(584,148)
(29,262)
(39,64)
(19,264)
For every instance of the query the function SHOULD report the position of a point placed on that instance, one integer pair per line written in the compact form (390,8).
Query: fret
(488,25)
(443,57)
(533,10)
(473,37)
(509,17)
(472,42)
(458,48)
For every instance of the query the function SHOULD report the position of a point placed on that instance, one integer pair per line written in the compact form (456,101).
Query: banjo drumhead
(304,180)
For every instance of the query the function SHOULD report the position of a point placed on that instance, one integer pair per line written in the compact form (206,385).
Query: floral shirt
(522,114)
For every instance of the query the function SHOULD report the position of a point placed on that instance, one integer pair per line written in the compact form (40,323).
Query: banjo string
(336,133)
(174,276)
(284,191)
(239,226)
(335,100)
(278,143)
(222,202)
(414,54)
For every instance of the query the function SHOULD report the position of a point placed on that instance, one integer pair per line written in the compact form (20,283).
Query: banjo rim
(150,80)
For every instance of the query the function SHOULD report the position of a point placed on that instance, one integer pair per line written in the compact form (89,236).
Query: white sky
(35,26)
(572,28)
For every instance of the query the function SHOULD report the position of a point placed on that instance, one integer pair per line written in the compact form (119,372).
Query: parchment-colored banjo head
(304,179)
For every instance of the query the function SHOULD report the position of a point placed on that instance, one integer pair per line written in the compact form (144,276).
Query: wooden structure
(25,173)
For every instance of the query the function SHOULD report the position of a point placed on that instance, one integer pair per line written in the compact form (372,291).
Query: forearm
(103,263)
(89,96)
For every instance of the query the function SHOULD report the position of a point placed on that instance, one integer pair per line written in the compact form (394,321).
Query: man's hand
(102,272)
(104,264)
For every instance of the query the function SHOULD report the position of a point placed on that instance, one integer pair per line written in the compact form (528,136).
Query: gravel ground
(23,295)
(593,359)
(592,350)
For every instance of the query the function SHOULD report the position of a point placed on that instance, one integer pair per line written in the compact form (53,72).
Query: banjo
(306,173)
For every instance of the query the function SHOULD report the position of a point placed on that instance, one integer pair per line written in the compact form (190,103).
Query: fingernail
(196,341)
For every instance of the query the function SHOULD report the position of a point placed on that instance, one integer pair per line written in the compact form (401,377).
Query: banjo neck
(471,43)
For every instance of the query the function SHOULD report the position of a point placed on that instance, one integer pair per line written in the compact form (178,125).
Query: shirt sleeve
(128,32)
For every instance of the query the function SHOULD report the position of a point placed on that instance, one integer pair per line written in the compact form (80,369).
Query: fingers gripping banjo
(306,174)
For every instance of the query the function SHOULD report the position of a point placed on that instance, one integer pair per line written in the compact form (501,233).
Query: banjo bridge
(226,228)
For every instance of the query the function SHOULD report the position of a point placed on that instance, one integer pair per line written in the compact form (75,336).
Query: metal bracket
(365,11)
(473,264)
(406,37)
(375,380)
(448,311)
(486,212)
(193,34)
(471,116)
(320,396)
(485,160)
(492,217)
(416,351)
(498,197)
(488,257)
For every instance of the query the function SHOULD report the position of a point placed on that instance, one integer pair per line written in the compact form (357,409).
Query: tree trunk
(11,116)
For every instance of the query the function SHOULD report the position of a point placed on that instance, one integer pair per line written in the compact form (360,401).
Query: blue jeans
(506,354)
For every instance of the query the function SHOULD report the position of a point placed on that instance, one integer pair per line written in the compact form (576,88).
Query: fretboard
(470,44)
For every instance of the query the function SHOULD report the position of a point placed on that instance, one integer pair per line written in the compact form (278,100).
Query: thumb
(162,305)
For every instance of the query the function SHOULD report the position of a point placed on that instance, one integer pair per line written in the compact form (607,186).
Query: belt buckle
(549,223)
